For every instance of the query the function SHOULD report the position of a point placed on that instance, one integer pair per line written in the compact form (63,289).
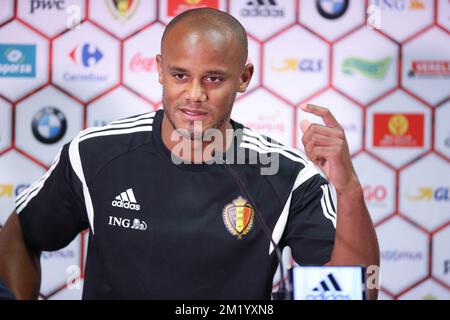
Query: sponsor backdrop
(382,67)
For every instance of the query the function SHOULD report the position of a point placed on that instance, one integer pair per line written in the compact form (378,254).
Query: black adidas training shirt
(164,231)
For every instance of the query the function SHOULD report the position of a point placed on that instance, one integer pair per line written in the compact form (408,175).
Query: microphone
(284,293)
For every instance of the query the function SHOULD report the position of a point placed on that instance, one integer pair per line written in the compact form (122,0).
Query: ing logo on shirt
(238,217)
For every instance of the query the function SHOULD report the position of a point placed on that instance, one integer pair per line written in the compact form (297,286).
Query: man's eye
(213,79)
(179,76)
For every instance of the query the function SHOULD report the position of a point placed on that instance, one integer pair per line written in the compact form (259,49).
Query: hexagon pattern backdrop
(381,66)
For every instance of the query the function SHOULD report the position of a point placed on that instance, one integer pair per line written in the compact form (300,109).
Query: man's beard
(195,131)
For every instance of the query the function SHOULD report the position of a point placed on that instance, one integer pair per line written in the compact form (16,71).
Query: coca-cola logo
(140,63)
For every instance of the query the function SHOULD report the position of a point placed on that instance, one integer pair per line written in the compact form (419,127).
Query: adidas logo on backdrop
(328,289)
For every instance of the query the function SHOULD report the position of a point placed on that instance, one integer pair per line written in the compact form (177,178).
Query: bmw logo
(332,9)
(49,125)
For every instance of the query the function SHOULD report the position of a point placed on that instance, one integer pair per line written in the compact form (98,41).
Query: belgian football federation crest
(238,217)
(122,9)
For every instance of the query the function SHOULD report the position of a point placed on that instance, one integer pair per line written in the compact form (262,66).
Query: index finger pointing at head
(324,113)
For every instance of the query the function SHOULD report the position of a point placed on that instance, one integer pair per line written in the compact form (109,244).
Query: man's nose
(196,92)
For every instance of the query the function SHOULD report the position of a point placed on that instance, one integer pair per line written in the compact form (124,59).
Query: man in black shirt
(180,202)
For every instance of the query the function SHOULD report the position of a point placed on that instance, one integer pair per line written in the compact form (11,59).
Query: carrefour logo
(86,55)
(17,60)
(89,57)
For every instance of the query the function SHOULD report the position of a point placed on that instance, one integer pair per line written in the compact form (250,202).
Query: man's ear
(160,68)
(245,77)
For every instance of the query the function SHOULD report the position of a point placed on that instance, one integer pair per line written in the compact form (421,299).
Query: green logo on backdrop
(372,69)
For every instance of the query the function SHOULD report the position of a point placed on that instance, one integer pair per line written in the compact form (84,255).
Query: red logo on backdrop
(175,7)
(430,68)
(268,124)
(143,64)
(398,130)
(375,193)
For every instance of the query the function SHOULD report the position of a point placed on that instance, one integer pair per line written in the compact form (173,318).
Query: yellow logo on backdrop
(398,125)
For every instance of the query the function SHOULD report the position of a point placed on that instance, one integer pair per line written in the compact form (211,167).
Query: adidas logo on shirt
(126,200)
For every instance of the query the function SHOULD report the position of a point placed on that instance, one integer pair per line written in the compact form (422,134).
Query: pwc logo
(44,5)
(398,130)
(328,289)
(86,55)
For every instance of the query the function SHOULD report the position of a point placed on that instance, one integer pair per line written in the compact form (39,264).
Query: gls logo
(439,194)
(10,190)
(302,65)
